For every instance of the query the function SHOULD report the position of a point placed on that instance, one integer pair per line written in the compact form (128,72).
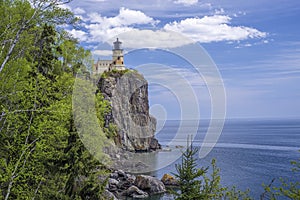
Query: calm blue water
(249,152)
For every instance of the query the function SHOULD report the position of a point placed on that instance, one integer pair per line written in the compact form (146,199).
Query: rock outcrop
(135,192)
(128,94)
(121,184)
(108,195)
(169,180)
(150,184)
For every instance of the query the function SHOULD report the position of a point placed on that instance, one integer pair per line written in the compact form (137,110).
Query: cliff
(127,91)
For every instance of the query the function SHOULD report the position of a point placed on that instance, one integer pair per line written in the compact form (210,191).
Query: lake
(249,152)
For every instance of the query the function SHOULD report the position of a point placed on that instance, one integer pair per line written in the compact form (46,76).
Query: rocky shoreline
(122,185)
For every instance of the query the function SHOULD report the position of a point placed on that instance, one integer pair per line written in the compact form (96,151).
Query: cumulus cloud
(136,38)
(134,25)
(81,35)
(213,29)
(125,17)
(101,28)
(79,11)
(186,2)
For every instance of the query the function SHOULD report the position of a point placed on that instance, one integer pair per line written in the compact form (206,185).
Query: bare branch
(10,51)
(14,173)
(36,190)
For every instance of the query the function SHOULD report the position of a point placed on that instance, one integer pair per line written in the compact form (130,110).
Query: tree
(18,20)
(194,184)
(189,176)
(41,155)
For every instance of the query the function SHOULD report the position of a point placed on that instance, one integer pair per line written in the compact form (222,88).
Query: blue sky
(254,45)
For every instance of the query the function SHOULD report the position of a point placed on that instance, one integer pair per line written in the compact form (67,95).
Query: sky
(251,49)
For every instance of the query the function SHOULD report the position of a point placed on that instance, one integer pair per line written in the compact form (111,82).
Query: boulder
(123,185)
(169,180)
(113,188)
(149,184)
(130,178)
(114,175)
(154,145)
(113,185)
(135,192)
(112,181)
(108,195)
(121,173)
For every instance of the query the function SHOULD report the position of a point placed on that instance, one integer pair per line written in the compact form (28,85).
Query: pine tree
(195,184)
(189,176)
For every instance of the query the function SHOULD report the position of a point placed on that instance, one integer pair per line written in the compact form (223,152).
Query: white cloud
(129,25)
(136,38)
(186,2)
(102,28)
(79,11)
(219,11)
(99,33)
(128,17)
(125,17)
(81,35)
(102,52)
(213,29)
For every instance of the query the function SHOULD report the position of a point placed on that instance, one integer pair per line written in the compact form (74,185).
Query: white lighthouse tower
(118,57)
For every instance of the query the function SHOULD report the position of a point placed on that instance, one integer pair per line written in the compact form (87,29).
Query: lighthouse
(117,57)
(117,62)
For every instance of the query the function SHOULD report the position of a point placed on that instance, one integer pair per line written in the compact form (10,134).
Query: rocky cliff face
(128,94)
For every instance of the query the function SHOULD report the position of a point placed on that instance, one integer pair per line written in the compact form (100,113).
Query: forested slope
(41,155)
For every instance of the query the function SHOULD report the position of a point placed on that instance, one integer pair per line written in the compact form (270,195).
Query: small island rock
(169,180)
(150,184)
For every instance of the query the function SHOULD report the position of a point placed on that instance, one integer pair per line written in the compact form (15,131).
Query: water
(249,152)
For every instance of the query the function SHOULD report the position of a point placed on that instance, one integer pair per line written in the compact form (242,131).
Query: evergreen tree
(189,176)
(194,184)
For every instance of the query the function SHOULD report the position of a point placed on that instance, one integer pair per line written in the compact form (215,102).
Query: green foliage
(47,54)
(194,184)
(112,131)
(296,165)
(235,194)
(75,57)
(85,118)
(20,23)
(287,189)
(103,108)
(188,176)
(115,73)
(41,154)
